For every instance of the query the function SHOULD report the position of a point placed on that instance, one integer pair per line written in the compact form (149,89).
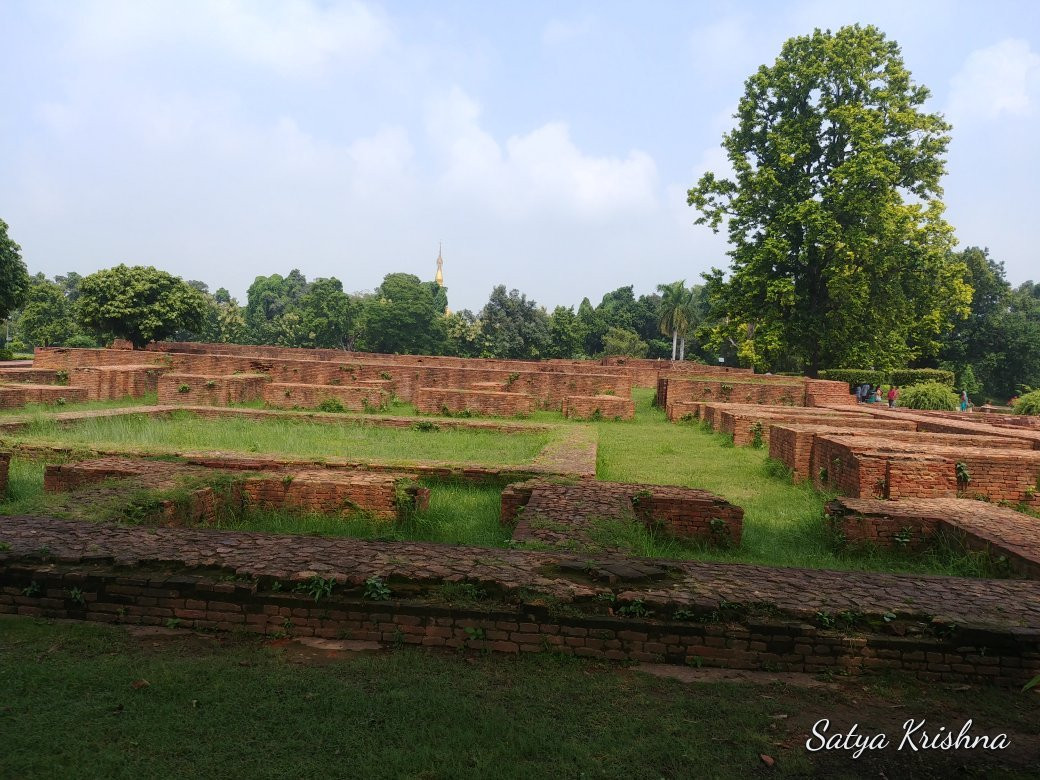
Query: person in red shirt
(893,394)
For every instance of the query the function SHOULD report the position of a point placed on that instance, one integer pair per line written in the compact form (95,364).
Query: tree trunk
(675,338)
(682,349)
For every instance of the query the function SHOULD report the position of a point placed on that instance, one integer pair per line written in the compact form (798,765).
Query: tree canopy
(840,255)
(138,303)
(405,315)
(14,278)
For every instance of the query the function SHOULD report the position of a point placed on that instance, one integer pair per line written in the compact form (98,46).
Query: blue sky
(548,145)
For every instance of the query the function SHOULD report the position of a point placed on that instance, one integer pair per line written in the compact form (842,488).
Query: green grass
(459,513)
(238,707)
(36,410)
(347,439)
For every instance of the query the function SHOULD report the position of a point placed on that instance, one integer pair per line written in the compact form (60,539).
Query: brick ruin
(598,407)
(493,403)
(5,466)
(570,515)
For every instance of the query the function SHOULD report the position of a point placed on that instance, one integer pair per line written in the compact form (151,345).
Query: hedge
(902,377)
(1029,403)
(905,377)
(855,376)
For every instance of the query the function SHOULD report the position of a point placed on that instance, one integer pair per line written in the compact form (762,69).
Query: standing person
(964,400)
(893,394)
(877,395)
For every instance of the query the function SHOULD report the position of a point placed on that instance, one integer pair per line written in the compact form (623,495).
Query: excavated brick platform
(103,383)
(33,376)
(911,524)
(683,612)
(868,467)
(606,407)
(779,391)
(572,516)
(433,400)
(324,491)
(192,389)
(284,395)
(792,444)
(19,394)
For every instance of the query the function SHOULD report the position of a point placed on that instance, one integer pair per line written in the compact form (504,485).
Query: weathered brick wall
(20,394)
(104,383)
(911,524)
(791,443)
(63,477)
(284,395)
(68,358)
(822,392)
(432,400)
(607,407)
(34,376)
(685,513)
(198,389)
(761,391)
(5,466)
(335,493)
(919,477)
(992,656)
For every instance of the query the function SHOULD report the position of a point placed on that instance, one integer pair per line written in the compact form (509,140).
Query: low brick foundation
(105,383)
(784,392)
(912,524)
(14,395)
(432,400)
(33,376)
(284,395)
(681,612)
(569,515)
(606,407)
(322,491)
(194,389)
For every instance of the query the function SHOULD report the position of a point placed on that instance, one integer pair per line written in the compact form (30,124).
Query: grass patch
(148,399)
(183,430)
(411,713)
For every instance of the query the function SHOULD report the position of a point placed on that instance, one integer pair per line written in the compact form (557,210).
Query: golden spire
(439,278)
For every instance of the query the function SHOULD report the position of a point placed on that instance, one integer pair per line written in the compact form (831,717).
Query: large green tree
(513,326)
(566,334)
(405,315)
(272,309)
(46,318)
(328,314)
(840,255)
(14,278)
(138,303)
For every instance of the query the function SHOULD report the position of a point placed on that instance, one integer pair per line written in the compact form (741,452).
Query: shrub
(331,405)
(906,377)
(1028,403)
(855,376)
(929,395)
(6,354)
(81,341)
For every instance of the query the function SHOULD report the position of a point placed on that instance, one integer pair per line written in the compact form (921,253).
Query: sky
(548,145)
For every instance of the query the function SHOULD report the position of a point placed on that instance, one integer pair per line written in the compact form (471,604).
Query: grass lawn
(79,700)
(184,430)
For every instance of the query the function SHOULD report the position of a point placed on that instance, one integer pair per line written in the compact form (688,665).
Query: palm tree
(675,310)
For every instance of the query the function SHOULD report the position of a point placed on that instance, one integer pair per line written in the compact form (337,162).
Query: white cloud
(292,37)
(1002,79)
(541,171)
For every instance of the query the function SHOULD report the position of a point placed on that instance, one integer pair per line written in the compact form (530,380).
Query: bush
(855,376)
(331,405)
(929,395)
(6,354)
(906,377)
(80,340)
(1028,403)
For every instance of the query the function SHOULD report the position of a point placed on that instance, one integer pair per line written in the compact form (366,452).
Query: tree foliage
(14,278)
(46,319)
(624,341)
(138,303)
(513,326)
(840,255)
(405,315)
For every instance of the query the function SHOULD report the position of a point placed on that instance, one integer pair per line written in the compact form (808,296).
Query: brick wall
(784,391)
(105,383)
(334,493)
(208,390)
(991,655)
(35,376)
(20,394)
(822,392)
(685,513)
(607,407)
(286,396)
(432,400)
